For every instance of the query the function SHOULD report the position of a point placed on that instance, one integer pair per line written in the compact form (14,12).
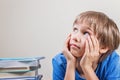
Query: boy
(89,51)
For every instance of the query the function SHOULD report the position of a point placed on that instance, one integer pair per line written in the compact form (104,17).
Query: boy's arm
(70,71)
(71,61)
(59,72)
(90,57)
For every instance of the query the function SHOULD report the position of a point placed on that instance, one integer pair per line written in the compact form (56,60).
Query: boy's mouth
(74,45)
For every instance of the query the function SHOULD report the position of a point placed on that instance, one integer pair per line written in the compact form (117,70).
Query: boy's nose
(77,37)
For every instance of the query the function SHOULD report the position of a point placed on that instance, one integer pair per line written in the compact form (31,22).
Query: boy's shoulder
(112,59)
(59,58)
(114,56)
(110,67)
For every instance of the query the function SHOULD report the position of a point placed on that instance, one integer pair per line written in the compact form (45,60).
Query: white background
(30,28)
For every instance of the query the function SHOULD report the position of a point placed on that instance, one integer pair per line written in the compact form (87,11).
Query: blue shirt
(108,69)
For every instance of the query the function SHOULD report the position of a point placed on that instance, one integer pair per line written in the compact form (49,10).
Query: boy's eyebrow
(90,29)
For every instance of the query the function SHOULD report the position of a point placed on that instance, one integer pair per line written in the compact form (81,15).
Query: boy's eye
(85,33)
(75,30)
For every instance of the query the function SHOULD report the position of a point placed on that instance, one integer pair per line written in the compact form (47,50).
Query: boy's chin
(76,54)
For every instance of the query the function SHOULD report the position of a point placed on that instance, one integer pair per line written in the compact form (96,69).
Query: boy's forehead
(83,26)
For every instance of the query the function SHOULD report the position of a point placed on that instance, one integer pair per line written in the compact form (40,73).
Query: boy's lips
(74,45)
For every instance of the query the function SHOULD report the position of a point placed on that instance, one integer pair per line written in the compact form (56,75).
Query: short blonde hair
(105,28)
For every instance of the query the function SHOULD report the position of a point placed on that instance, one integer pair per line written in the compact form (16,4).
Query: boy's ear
(103,49)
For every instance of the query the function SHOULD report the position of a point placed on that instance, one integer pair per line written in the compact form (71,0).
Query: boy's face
(78,37)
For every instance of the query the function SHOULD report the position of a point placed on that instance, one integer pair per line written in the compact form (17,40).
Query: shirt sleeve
(58,70)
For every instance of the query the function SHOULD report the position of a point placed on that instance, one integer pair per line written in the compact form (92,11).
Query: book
(14,66)
(22,58)
(17,74)
(38,77)
(20,68)
(19,64)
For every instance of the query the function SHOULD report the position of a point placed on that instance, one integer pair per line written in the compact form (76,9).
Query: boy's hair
(104,28)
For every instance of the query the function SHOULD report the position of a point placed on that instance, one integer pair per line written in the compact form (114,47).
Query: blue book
(22,58)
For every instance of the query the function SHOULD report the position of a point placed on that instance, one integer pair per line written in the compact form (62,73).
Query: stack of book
(20,68)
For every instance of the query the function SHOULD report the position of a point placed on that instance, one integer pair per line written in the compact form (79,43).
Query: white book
(19,64)
(39,77)
(14,75)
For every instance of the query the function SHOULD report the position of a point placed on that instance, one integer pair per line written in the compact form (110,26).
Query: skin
(82,52)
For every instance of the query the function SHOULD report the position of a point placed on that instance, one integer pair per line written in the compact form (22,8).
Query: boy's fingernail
(86,35)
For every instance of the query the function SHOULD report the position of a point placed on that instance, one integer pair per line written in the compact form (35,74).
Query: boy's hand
(71,61)
(66,51)
(91,54)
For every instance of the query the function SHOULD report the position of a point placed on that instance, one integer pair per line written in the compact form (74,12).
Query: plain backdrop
(30,28)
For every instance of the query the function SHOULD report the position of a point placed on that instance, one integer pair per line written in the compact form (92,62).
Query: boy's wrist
(87,68)
(89,73)
(71,62)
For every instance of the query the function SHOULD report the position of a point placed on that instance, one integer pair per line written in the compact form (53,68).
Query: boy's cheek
(69,44)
